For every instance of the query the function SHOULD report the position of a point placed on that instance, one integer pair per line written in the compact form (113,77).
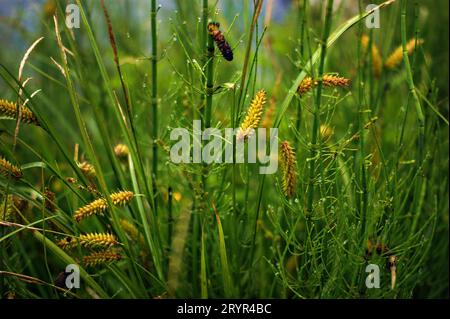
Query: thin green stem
(318,100)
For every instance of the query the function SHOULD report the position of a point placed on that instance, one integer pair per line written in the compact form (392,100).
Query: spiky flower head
(10,110)
(253,117)
(329,80)
(98,206)
(7,169)
(396,56)
(122,198)
(101,257)
(96,240)
(289,169)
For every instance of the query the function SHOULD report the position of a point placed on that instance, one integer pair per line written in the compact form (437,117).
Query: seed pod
(222,44)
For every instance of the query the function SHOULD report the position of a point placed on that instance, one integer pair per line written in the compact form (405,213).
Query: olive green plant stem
(209,80)
(317,104)
(154,101)
(420,118)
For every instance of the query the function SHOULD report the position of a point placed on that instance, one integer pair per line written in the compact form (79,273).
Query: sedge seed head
(289,169)
(329,80)
(10,110)
(396,56)
(7,169)
(97,240)
(97,206)
(101,257)
(253,117)
(122,198)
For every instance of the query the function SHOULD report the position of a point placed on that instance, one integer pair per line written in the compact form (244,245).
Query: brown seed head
(10,110)
(101,257)
(7,169)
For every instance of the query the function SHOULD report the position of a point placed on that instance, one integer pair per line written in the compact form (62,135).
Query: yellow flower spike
(396,56)
(101,257)
(253,117)
(289,167)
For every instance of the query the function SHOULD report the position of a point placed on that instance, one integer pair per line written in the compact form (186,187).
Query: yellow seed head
(101,257)
(7,169)
(95,240)
(10,110)
(98,206)
(396,56)
(121,151)
(253,117)
(122,198)
(289,169)
(329,80)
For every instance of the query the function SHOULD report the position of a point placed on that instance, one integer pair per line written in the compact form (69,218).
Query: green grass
(224,230)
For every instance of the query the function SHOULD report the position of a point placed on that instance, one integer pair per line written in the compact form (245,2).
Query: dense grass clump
(362,119)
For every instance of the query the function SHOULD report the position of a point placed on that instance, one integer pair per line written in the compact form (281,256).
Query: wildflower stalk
(420,116)
(316,123)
